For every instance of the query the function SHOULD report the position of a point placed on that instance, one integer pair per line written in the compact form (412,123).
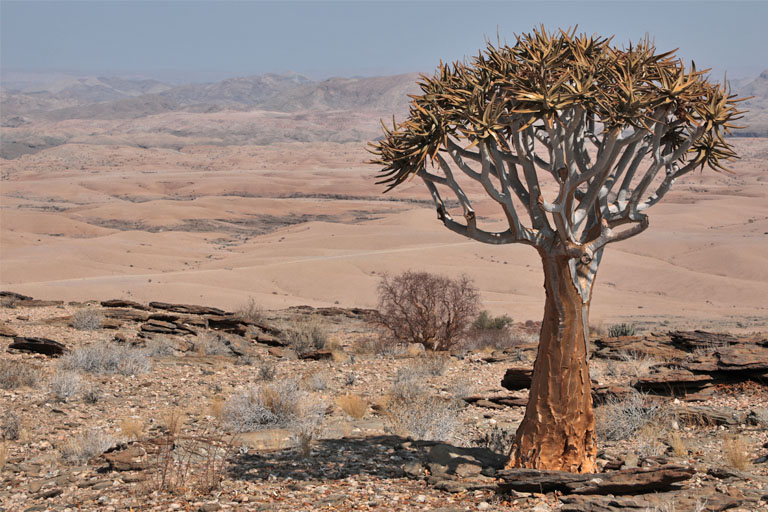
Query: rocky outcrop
(38,346)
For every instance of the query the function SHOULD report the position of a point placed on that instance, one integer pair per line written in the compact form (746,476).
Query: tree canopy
(537,106)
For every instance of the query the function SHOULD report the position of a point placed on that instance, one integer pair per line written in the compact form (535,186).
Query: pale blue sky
(208,38)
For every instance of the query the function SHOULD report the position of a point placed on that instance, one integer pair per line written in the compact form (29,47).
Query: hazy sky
(207,38)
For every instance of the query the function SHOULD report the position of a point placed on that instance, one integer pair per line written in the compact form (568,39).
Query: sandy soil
(305,223)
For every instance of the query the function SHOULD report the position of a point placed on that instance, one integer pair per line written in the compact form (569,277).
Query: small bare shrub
(317,380)
(619,420)
(88,319)
(91,394)
(422,416)
(132,428)
(267,372)
(160,347)
(89,444)
(107,358)
(623,329)
(461,388)
(65,385)
(306,335)
(354,405)
(211,344)
(251,311)
(419,307)
(434,363)
(10,428)
(648,442)
(497,440)
(736,452)
(16,374)
(195,463)
(409,380)
(264,406)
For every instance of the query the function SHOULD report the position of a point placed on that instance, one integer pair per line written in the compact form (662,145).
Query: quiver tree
(575,140)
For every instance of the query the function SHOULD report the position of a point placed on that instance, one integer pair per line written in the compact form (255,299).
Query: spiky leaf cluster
(505,89)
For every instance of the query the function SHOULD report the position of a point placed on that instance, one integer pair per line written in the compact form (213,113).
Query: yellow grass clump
(132,428)
(354,405)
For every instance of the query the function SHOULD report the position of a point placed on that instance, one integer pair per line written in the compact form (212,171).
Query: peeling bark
(558,430)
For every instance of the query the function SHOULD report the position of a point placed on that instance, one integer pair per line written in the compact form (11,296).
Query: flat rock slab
(189,309)
(625,481)
(38,345)
(120,303)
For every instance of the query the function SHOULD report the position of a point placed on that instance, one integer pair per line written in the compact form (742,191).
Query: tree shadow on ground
(334,459)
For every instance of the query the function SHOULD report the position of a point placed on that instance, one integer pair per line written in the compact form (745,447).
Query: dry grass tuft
(251,311)
(736,452)
(173,420)
(216,407)
(132,428)
(3,455)
(678,444)
(354,405)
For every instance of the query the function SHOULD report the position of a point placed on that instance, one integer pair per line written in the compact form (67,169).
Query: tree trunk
(558,430)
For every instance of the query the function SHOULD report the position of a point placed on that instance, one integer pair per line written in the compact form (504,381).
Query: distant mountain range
(111,98)
(356,103)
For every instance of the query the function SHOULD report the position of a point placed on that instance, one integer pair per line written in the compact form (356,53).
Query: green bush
(622,330)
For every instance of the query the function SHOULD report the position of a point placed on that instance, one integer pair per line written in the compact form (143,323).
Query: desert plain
(305,223)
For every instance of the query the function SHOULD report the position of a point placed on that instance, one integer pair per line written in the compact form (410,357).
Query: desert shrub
(91,394)
(306,335)
(649,443)
(88,319)
(317,380)
(65,385)
(460,388)
(354,405)
(623,329)
(485,321)
(107,358)
(266,372)
(409,380)
(434,363)
(497,439)
(251,311)
(15,374)
(281,404)
(10,428)
(421,416)
(618,419)
(196,463)
(211,344)
(419,307)
(89,444)
(160,347)
(736,452)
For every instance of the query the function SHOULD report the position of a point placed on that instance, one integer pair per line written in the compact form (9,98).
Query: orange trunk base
(558,430)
